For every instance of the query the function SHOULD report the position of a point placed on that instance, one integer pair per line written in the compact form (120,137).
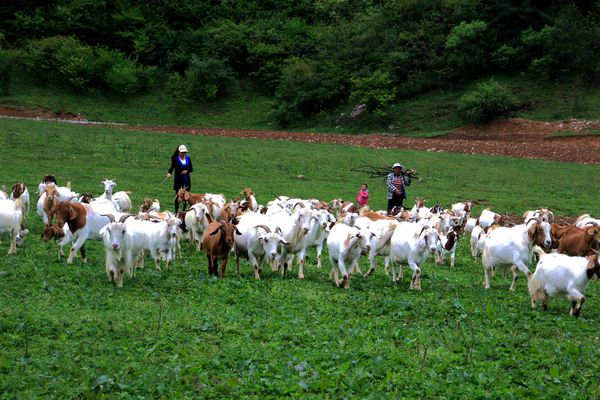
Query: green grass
(244,108)
(66,333)
(585,132)
(430,114)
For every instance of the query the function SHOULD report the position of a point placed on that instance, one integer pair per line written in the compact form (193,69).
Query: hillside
(426,115)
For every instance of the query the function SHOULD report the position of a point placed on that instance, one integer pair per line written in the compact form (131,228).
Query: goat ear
(238,232)
(72,213)
(216,230)
(531,231)
(103,230)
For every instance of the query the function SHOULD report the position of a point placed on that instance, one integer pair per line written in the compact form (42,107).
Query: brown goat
(579,242)
(557,231)
(75,216)
(218,242)
(185,197)
(250,198)
(50,202)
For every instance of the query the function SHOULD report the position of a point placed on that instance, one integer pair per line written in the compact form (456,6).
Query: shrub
(124,77)
(466,46)
(61,57)
(117,72)
(306,88)
(8,60)
(488,101)
(75,61)
(202,80)
(375,91)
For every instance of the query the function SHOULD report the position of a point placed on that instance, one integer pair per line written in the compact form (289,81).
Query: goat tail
(539,251)
(536,286)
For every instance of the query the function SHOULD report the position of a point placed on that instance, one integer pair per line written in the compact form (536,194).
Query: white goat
(256,242)
(586,219)
(477,241)
(542,214)
(411,244)
(346,244)
(159,238)
(293,229)
(382,230)
(197,219)
(120,199)
(11,214)
(19,191)
(512,247)
(317,233)
(559,274)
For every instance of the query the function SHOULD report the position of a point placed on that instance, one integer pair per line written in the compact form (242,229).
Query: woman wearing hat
(396,188)
(182,165)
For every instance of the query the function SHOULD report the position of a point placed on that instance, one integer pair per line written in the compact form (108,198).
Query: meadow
(65,332)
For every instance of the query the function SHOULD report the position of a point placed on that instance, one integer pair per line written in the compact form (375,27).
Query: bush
(75,61)
(488,101)
(61,57)
(203,80)
(119,73)
(306,88)
(375,91)
(8,60)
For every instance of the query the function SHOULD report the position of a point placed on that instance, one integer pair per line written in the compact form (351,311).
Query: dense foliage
(313,56)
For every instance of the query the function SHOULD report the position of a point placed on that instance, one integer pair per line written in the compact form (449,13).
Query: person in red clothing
(363,196)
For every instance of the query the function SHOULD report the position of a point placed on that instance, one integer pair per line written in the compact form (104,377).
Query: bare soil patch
(516,137)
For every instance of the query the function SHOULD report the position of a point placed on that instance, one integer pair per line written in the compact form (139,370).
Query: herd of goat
(287,227)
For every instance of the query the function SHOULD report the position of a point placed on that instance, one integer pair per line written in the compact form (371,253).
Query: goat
(448,244)
(83,223)
(150,205)
(579,242)
(19,191)
(412,243)
(11,215)
(512,247)
(558,274)
(197,219)
(249,196)
(62,236)
(542,214)
(256,242)
(586,219)
(120,199)
(187,198)
(121,248)
(218,240)
(346,244)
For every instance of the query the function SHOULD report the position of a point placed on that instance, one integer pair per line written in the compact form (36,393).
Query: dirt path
(513,137)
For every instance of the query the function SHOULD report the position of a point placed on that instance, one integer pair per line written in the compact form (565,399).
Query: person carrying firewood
(397,181)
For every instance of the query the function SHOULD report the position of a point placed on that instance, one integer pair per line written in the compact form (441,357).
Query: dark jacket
(181,181)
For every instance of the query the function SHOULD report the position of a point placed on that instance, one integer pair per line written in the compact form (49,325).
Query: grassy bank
(247,107)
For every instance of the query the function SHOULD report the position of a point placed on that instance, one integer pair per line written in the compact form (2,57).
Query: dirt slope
(512,137)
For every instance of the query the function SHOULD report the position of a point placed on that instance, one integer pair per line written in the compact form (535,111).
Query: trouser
(395,203)
(177,202)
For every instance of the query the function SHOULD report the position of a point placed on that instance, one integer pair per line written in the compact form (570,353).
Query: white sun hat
(397,165)
(182,149)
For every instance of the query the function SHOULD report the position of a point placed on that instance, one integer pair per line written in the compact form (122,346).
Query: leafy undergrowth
(65,332)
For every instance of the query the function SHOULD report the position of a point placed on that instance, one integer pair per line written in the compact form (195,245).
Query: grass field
(247,106)
(66,333)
